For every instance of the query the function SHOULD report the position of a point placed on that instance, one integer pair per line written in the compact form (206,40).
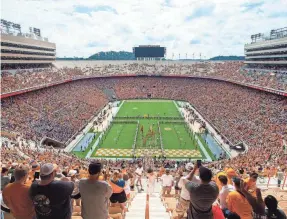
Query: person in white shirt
(139,172)
(72,175)
(184,199)
(167,183)
(151,176)
(226,188)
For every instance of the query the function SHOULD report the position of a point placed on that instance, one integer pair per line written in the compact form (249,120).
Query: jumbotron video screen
(149,51)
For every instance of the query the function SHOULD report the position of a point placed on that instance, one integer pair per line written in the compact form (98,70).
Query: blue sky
(248,6)
(88,10)
(210,27)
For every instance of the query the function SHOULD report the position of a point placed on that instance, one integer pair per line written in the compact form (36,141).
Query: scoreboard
(149,51)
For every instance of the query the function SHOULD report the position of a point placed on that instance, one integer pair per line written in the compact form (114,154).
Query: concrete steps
(137,208)
(156,208)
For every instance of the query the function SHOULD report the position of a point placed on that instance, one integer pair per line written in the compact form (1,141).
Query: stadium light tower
(172,55)
(185,55)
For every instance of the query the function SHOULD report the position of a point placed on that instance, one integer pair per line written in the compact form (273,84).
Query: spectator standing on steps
(167,182)
(202,195)
(51,198)
(95,194)
(16,195)
(139,172)
(184,199)
(280,177)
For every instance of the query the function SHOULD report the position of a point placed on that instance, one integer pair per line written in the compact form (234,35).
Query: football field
(148,126)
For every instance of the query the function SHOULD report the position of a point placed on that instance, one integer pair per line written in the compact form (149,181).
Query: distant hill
(124,55)
(69,58)
(112,55)
(227,58)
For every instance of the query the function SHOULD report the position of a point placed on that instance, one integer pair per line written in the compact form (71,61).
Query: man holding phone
(203,194)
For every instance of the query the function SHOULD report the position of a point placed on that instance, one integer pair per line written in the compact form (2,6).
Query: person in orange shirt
(251,183)
(237,203)
(16,195)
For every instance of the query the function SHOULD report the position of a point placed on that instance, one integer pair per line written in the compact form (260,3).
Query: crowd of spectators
(241,114)
(57,112)
(42,181)
(13,80)
(49,183)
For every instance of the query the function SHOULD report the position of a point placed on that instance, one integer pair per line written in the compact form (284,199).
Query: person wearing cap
(16,195)
(72,176)
(95,194)
(184,199)
(202,195)
(237,202)
(51,198)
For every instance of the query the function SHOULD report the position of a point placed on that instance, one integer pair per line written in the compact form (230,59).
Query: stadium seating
(237,112)
(13,80)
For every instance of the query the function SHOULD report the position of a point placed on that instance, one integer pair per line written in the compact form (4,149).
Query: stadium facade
(270,50)
(24,49)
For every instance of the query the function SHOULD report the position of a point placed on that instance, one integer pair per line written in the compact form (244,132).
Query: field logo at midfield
(135,108)
(167,129)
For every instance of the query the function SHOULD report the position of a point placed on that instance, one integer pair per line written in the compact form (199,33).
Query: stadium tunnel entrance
(52,142)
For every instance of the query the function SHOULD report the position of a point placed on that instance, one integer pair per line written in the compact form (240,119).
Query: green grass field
(151,107)
(177,140)
(119,136)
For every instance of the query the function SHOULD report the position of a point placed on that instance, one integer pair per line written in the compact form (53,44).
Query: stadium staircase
(143,208)
(137,209)
(157,209)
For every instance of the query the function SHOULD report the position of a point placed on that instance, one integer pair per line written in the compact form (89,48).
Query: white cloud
(221,26)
